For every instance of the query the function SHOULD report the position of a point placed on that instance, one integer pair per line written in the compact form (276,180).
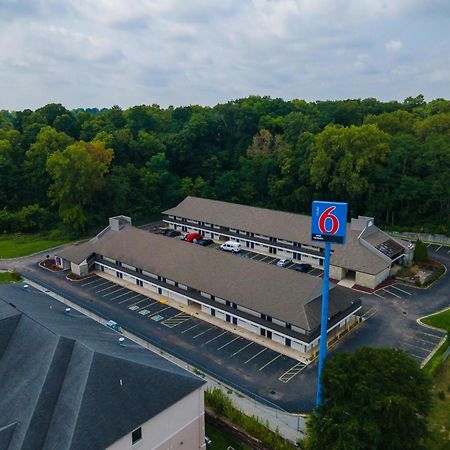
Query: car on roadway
(171,233)
(284,262)
(303,268)
(204,242)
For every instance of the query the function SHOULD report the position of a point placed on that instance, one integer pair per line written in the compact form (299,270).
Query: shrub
(441,395)
(420,252)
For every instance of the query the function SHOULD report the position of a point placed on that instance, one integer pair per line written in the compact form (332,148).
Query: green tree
(78,175)
(420,252)
(48,141)
(344,162)
(373,399)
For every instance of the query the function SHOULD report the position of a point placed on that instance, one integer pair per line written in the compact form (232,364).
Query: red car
(191,237)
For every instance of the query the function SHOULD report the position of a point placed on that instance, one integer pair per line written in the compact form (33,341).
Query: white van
(231,246)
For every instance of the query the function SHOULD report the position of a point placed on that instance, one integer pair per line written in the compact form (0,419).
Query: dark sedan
(171,233)
(204,242)
(303,268)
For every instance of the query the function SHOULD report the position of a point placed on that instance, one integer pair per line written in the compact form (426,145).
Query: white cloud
(394,46)
(105,52)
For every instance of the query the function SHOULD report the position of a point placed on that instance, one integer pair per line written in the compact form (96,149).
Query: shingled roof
(284,225)
(262,287)
(68,384)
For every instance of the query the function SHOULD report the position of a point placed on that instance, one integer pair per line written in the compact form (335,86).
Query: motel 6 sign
(329,222)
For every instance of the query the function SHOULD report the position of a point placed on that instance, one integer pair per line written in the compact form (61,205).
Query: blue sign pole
(323,322)
(328,225)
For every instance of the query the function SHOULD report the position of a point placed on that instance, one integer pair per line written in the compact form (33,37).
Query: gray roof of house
(66,383)
(265,288)
(284,225)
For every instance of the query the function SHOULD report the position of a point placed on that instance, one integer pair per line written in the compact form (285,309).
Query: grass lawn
(16,245)
(9,277)
(439,418)
(220,440)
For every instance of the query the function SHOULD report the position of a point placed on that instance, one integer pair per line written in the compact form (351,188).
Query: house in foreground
(67,383)
(280,305)
(367,258)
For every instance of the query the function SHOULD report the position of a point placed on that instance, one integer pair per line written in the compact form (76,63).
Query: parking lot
(227,349)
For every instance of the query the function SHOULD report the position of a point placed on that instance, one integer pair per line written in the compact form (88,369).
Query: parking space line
(214,338)
(289,265)
(448,251)
(264,259)
(240,350)
(416,346)
(202,332)
(401,290)
(254,255)
(190,328)
(139,301)
(176,320)
(102,284)
(228,343)
(121,295)
(160,311)
(270,362)
(145,306)
(105,289)
(378,295)
(431,335)
(254,356)
(428,245)
(113,292)
(131,298)
(438,248)
(395,295)
(290,373)
(415,356)
(92,282)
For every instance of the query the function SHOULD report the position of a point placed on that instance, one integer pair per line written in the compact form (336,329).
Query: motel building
(368,257)
(280,306)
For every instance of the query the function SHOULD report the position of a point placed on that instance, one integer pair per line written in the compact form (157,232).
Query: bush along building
(367,259)
(280,305)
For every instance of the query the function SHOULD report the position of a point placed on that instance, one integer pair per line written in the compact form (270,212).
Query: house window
(136,435)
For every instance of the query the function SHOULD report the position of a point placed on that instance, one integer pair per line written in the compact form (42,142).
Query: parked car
(303,268)
(204,242)
(284,262)
(191,237)
(171,233)
(231,246)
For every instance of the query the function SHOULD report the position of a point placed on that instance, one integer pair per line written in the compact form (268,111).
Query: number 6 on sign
(329,222)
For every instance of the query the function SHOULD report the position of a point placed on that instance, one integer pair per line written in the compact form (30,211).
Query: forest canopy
(390,160)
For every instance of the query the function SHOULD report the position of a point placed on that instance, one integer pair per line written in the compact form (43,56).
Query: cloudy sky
(96,53)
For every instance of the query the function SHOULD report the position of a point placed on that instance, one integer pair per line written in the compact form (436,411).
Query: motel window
(269,334)
(288,326)
(234,305)
(228,317)
(118,263)
(119,274)
(263,316)
(288,342)
(213,312)
(227,303)
(234,320)
(269,319)
(136,435)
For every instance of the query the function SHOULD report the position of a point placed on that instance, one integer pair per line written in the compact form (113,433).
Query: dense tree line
(387,159)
